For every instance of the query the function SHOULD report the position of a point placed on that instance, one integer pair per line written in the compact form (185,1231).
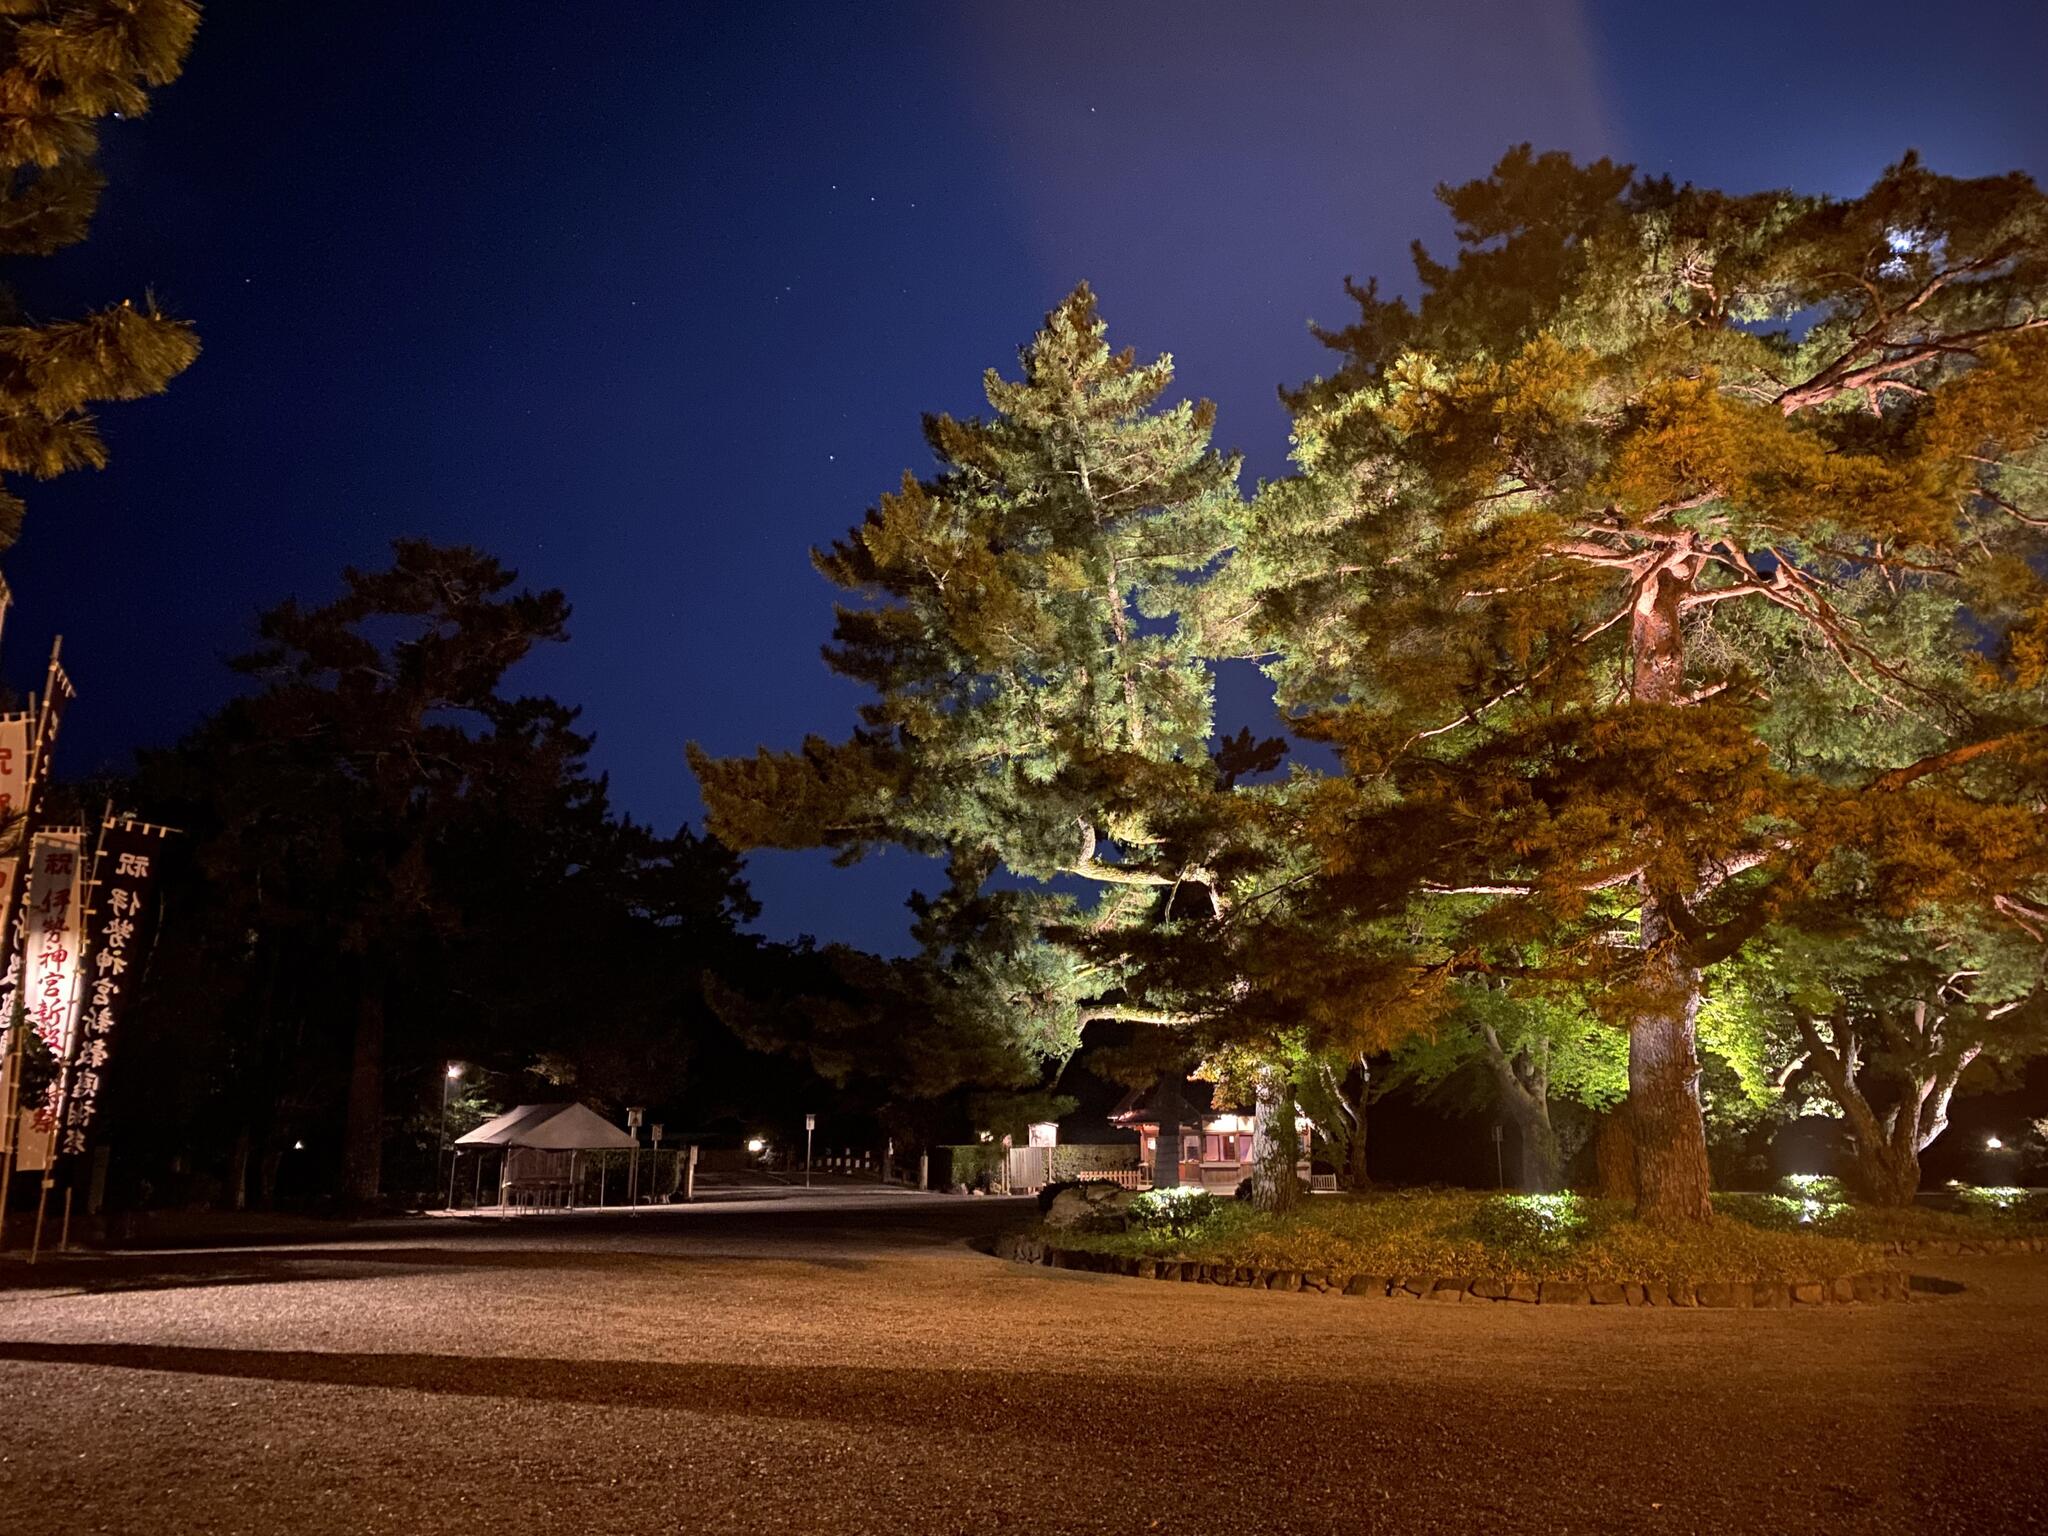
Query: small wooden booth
(539,1145)
(1216,1145)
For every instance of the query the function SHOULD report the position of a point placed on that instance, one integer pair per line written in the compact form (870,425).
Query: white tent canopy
(554,1127)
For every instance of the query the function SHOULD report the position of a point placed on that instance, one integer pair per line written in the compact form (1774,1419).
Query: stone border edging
(1906,1248)
(1875,1285)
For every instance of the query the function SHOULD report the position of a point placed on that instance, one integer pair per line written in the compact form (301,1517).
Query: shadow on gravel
(891,1395)
(169,1272)
(1934,1285)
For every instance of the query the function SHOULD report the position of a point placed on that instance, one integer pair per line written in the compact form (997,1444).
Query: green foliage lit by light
(1178,1212)
(1815,1186)
(2003,1200)
(1539,1222)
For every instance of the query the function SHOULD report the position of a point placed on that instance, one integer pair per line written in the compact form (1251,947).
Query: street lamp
(448,1078)
(1993,1144)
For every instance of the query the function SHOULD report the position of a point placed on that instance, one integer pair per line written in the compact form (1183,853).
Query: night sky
(649,304)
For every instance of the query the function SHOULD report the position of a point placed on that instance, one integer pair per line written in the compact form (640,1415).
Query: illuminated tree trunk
(1670,1133)
(1524,1084)
(1614,1156)
(1887,1147)
(1276,1145)
(1664,1084)
(1356,1175)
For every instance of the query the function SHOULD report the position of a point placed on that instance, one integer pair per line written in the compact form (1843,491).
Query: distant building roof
(562,1127)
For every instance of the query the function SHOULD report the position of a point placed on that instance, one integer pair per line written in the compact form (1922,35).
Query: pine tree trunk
(363,1141)
(1169,1103)
(238,1171)
(1614,1156)
(1665,1122)
(1166,1155)
(1663,1056)
(1276,1146)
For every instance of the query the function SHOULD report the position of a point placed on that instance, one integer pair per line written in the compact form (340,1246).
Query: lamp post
(810,1125)
(448,1078)
(634,1115)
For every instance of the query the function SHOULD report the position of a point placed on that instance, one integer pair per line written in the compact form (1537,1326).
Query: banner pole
(12,1104)
(64,1241)
(35,1246)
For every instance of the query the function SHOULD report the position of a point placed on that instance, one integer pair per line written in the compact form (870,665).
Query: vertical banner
(16,734)
(119,928)
(48,717)
(53,924)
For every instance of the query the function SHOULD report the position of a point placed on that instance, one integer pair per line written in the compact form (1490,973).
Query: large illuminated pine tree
(1030,619)
(65,65)
(1672,568)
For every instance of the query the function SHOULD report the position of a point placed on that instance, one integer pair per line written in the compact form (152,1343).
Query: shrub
(974,1164)
(2002,1200)
(1774,1213)
(1178,1212)
(1438,1233)
(1533,1223)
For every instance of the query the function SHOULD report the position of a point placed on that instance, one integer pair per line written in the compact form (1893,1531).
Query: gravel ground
(849,1364)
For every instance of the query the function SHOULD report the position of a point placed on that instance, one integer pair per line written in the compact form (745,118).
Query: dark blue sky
(650,303)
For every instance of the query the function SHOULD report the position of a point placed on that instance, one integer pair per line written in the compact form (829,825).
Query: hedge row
(1880,1285)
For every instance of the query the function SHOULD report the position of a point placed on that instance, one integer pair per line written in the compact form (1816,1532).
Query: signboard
(119,927)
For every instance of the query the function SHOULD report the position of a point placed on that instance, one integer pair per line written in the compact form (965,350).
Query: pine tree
(380,736)
(65,65)
(1672,552)
(1031,622)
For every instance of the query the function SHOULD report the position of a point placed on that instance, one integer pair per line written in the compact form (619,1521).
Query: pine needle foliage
(65,66)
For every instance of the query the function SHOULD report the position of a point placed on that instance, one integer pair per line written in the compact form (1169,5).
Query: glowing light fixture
(454,1069)
(756,1145)
(1993,1143)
